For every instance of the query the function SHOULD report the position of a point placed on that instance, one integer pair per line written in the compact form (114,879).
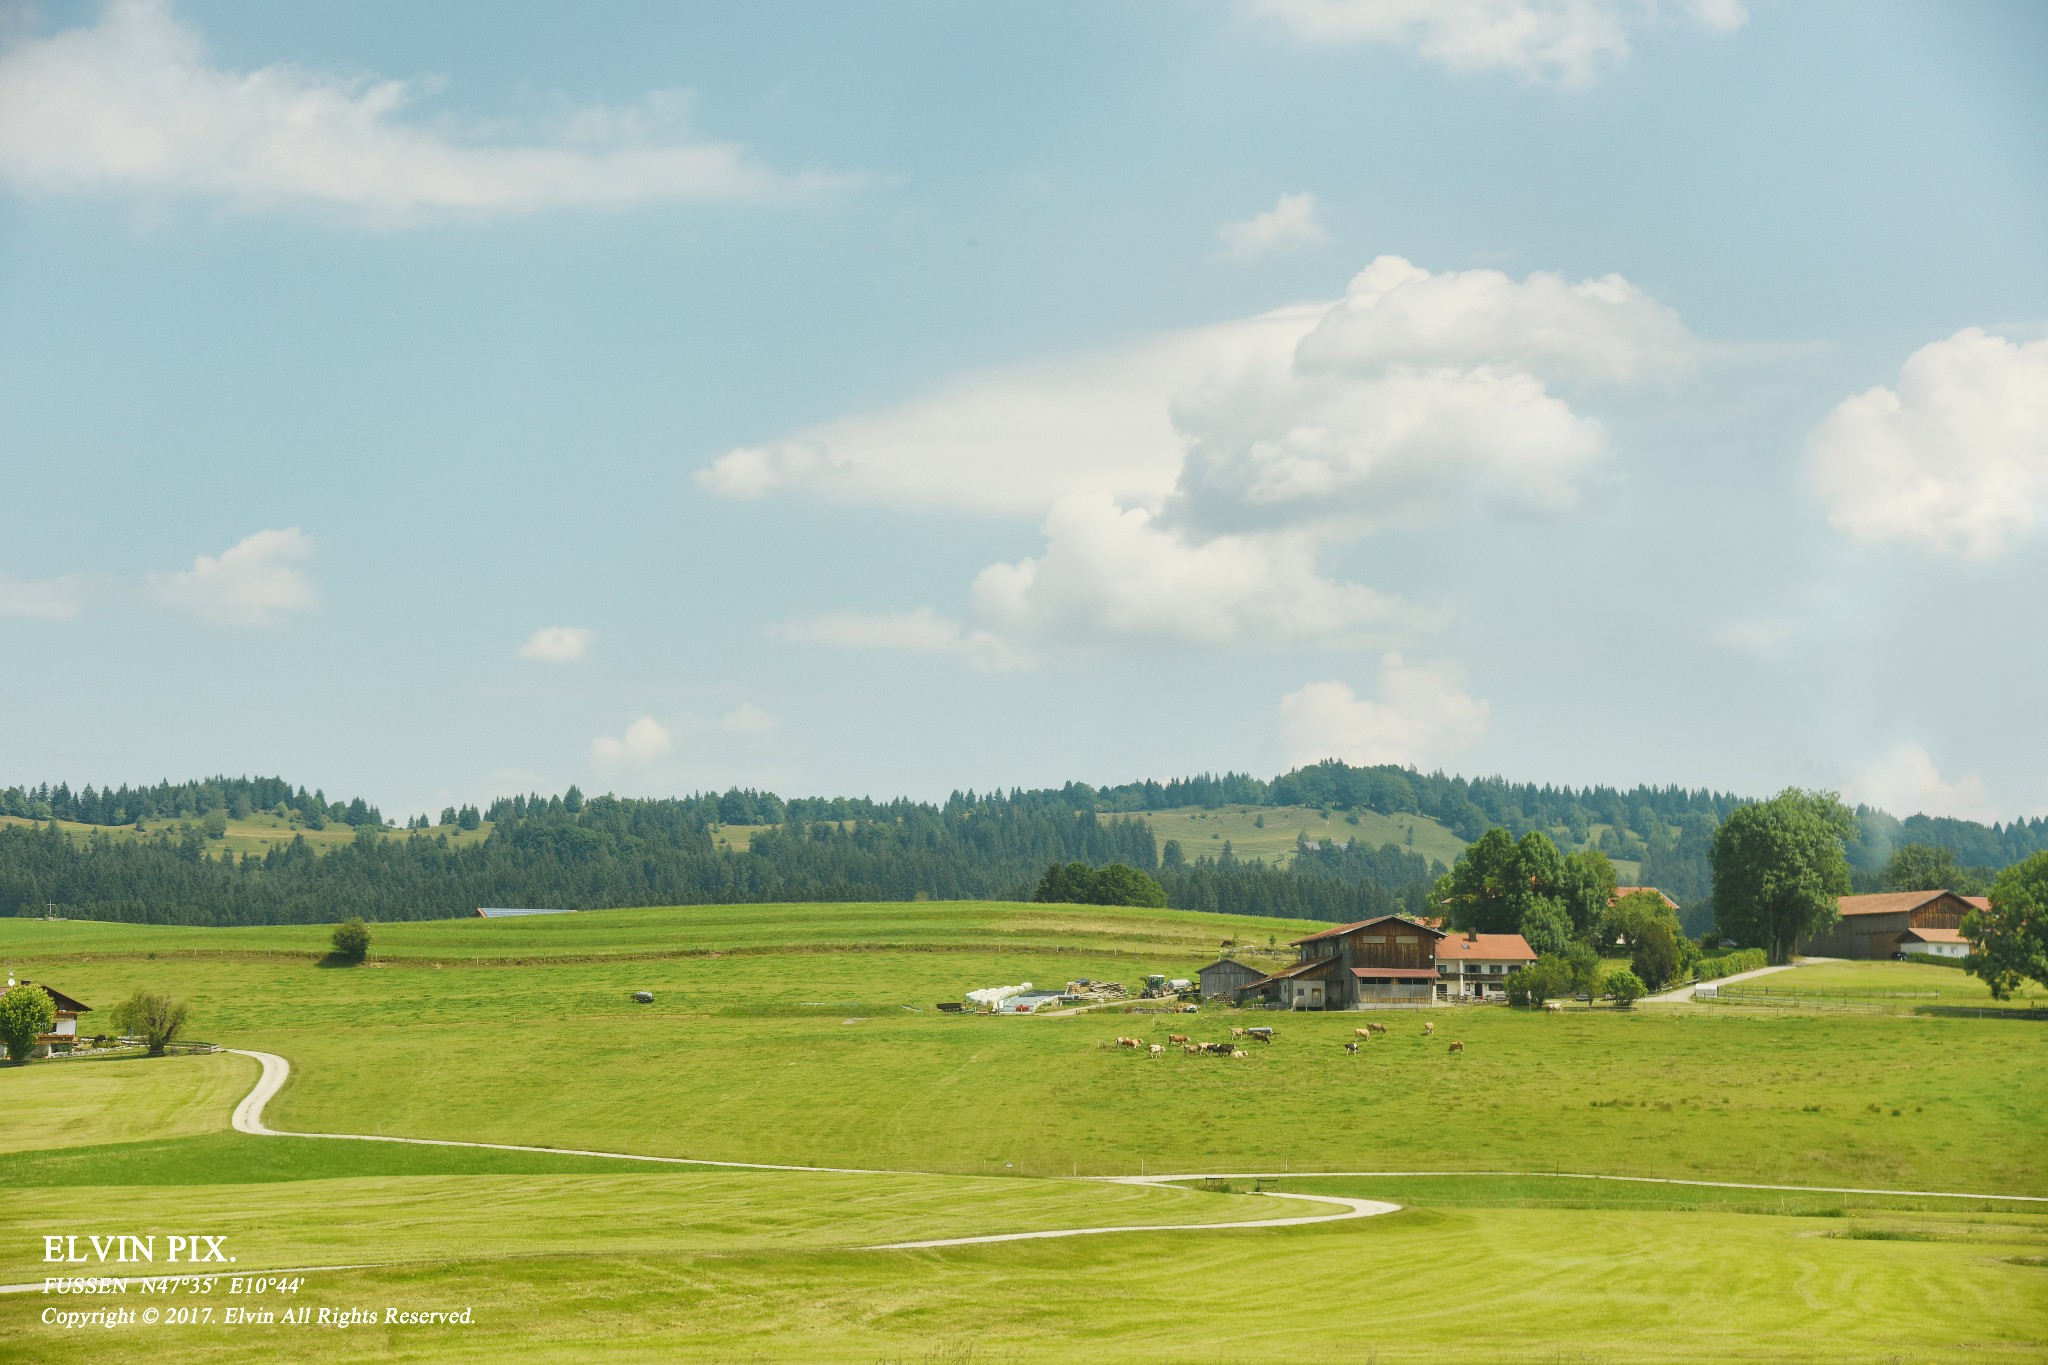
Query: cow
(1457,1047)
(1429,1028)
(1365,1033)
(1377,1028)
(1239,1052)
(1176,1037)
(1219,1049)
(1236,1032)
(1553,1007)
(1158,1050)
(1352,1048)
(1130,1042)
(1192,1049)
(1260,1034)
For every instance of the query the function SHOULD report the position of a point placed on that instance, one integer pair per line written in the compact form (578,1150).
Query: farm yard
(808,1035)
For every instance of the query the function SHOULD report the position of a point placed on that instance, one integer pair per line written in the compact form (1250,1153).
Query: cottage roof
(64,1003)
(1397,973)
(1889,902)
(1485,948)
(1621,891)
(1981,902)
(1341,929)
(1935,935)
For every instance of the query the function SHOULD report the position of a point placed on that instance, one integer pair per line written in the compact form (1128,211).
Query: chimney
(1471,936)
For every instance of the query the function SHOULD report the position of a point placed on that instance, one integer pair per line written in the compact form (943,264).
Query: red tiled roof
(1366,924)
(1485,948)
(1935,935)
(1621,891)
(1889,902)
(1396,973)
(1981,902)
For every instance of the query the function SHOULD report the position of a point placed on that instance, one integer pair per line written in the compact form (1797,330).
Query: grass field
(1914,986)
(1203,832)
(256,833)
(806,1034)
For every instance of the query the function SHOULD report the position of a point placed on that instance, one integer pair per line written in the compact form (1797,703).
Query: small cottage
(63,1035)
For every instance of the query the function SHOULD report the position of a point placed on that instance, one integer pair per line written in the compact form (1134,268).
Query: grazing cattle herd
(1263,1033)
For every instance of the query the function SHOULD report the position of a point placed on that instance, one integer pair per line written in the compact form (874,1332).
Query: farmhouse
(1475,966)
(63,1035)
(1224,978)
(1621,891)
(1875,926)
(1384,960)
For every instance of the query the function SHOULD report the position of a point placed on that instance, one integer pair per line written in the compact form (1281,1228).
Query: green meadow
(808,1035)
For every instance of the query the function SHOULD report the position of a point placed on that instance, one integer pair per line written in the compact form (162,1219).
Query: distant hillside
(1325,842)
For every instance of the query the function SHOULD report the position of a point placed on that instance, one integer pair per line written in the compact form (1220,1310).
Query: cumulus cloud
(1904,781)
(644,741)
(254,583)
(748,719)
(1294,221)
(1562,42)
(1231,457)
(48,599)
(134,104)
(1422,716)
(1013,442)
(922,631)
(556,644)
(1110,573)
(1954,460)
(1397,313)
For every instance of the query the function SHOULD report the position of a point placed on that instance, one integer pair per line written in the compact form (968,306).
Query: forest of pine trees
(571,852)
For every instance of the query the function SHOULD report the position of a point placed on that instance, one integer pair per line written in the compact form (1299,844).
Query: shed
(1225,977)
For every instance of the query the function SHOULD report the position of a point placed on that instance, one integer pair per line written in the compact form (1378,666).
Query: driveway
(1685,992)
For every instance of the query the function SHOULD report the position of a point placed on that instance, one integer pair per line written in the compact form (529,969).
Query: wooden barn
(1225,977)
(1385,960)
(1875,926)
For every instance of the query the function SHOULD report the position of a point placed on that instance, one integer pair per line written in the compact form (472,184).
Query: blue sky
(431,402)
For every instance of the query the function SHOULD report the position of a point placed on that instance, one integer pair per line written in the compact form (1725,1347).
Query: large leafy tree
(1779,867)
(1585,888)
(26,1012)
(2009,941)
(1929,867)
(156,1019)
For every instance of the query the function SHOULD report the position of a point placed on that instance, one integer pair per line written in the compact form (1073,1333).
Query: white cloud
(556,644)
(1423,716)
(748,719)
(1189,485)
(49,599)
(1110,573)
(1397,313)
(1565,42)
(253,583)
(644,741)
(922,631)
(1955,459)
(1904,781)
(1294,221)
(133,103)
(1355,454)
(1013,442)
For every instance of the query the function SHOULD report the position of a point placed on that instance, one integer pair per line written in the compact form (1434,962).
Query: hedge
(1728,964)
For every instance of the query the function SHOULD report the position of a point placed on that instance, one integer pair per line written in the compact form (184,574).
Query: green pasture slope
(807,1035)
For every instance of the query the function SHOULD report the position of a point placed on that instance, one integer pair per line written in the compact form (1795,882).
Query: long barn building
(1880,925)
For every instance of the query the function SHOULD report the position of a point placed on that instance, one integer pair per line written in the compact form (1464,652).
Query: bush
(1657,956)
(1623,987)
(352,940)
(26,1013)
(1730,964)
(1549,975)
(156,1019)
